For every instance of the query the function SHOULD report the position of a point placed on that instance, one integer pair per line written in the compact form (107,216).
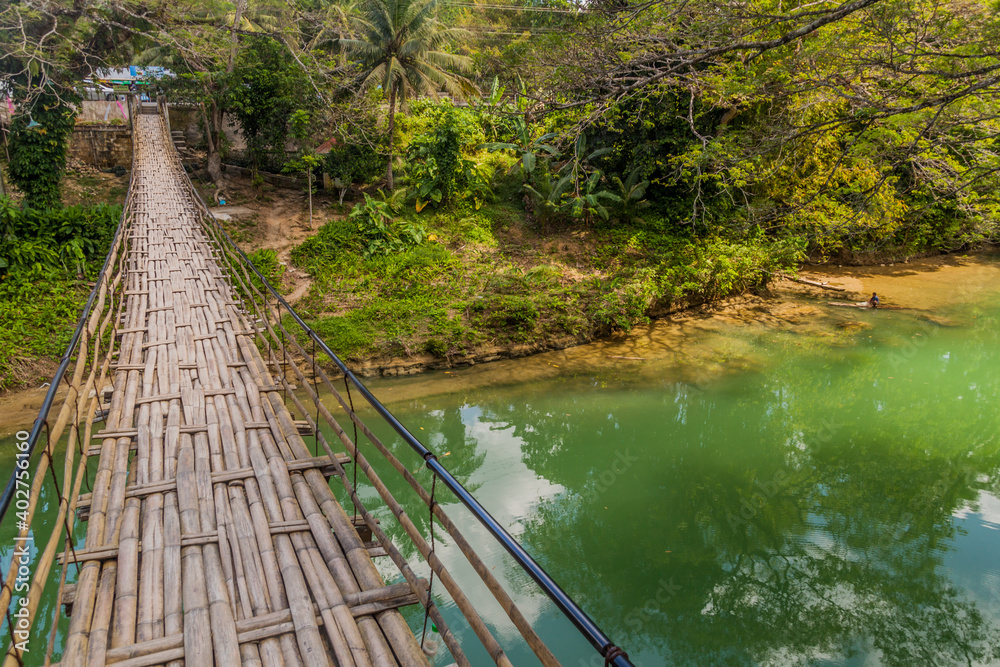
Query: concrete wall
(187,119)
(94,111)
(103,146)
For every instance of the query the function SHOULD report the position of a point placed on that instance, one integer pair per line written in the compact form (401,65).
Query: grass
(242,229)
(37,320)
(39,311)
(488,278)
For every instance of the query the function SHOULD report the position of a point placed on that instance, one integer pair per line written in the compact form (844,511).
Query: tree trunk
(309,181)
(392,126)
(214,158)
(235,36)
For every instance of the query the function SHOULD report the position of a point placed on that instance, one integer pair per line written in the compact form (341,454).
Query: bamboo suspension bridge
(212,533)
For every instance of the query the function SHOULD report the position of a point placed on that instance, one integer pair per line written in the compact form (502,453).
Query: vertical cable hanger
(350,401)
(316,401)
(430,585)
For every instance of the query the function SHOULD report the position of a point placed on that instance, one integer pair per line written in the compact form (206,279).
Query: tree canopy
(866,123)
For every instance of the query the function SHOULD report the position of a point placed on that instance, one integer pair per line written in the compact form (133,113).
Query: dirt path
(276,221)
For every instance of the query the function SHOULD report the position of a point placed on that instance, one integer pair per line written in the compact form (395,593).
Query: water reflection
(815,512)
(793,486)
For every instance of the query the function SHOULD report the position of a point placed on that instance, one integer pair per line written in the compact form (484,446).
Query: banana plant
(547,194)
(527,146)
(588,200)
(631,191)
(579,164)
(490,108)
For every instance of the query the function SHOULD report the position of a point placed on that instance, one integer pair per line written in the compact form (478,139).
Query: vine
(38,145)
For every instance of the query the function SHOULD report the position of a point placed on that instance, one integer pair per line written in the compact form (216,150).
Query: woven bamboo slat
(204,544)
(213,535)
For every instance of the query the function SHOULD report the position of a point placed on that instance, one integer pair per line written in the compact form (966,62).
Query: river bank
(769,428)
(768,468)
(918,285)
(695,342)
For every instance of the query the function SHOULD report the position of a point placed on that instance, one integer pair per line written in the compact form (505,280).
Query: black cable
(430,585)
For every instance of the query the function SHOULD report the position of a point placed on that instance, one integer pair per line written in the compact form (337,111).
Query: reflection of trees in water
(444,431)
(806,514)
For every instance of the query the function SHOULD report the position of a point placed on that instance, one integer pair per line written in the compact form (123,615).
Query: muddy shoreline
(919,285)
(856,283)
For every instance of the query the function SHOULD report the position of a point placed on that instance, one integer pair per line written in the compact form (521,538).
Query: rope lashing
(613,652)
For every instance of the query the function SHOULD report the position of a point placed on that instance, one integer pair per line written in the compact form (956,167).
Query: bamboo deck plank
(219,541)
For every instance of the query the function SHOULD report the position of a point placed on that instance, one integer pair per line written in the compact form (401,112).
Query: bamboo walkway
(213,536)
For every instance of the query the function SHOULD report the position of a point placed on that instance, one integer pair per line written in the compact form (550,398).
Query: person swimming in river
(873,302)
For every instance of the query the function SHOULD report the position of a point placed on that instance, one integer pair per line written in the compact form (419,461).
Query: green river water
(784,483)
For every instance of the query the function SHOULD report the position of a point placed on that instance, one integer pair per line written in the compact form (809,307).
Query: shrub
(354,163)
(380,232)
(332,239)
(68,238)
(436,346)
(438,171)
(266,261)
(38,154)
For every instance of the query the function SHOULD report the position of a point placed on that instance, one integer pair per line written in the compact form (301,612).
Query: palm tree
(399,49)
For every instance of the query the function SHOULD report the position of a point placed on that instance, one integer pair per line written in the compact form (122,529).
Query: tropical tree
(527,145)
(400,49)
(265,87)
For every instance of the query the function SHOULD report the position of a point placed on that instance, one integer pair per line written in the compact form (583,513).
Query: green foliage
(266,261)
(436,346)
(37,315)
(353,163)
(589,199)
(38,154)
(497,118)
(505,310)
(647,137)
(262,91)
(423,116)
(402,50)
(622,303)
(438,171)
(548,194)
(306,160)
(575,190)
(323,249)
(43,254)
(37,241)
(346,335)
(631,192)
(380,232)
(526,146)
